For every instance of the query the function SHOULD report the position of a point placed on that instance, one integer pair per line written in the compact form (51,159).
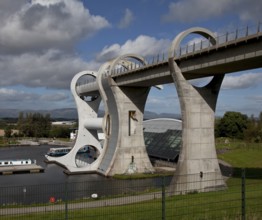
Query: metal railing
(150,198)
(191,48)
(226,38)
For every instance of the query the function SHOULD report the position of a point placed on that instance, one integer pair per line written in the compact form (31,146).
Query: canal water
(53,173)
(54,183)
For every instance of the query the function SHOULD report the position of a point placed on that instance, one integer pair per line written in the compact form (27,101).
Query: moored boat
(61,151)
(57,152)
(20,162)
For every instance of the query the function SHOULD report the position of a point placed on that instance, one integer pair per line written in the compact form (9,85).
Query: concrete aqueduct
(123,85)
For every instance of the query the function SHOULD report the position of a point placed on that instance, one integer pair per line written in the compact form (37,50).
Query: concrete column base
(198,168)
(124,147)
(130,154)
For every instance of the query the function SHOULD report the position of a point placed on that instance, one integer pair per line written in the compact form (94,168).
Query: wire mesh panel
(148,198)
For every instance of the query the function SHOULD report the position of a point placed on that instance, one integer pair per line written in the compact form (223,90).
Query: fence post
(163,199)
(243,195)
(66,200)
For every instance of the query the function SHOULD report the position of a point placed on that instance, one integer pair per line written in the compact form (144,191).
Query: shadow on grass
(250,173)
(237,172)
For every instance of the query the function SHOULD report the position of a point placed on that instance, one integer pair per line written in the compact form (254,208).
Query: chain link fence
(149,198)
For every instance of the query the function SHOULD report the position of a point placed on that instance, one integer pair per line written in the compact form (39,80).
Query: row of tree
(34,124)
(239,126)
(231,125)
(37,125)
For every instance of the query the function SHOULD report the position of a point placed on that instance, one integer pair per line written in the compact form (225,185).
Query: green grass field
(241,157)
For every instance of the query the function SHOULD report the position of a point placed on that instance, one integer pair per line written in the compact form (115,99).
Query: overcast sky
(44,43)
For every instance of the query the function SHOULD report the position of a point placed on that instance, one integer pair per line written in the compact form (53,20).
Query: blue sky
(44,43)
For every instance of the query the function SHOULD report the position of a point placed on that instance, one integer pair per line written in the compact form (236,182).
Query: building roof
(163,138)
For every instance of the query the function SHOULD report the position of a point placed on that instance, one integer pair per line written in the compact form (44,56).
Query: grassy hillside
(240,154)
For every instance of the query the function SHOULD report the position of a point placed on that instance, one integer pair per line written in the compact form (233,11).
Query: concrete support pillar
(88,124)
(125,151)
(130,155)
(198,168)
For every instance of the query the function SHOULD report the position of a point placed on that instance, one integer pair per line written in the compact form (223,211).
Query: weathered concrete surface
(125,143)
(198,168)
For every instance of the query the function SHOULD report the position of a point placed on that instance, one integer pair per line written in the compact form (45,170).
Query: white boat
(21,162)
(60,151)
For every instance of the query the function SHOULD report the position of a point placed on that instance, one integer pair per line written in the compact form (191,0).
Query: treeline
(232,125)
(36,125)
(239,126)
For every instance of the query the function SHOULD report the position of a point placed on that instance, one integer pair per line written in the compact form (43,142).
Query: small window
(132,123)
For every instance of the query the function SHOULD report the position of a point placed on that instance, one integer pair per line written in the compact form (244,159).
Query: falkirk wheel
(123,149)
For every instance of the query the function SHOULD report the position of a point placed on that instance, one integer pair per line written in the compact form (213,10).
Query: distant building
(68,123)
(2,132)
(73,135)
(163,138)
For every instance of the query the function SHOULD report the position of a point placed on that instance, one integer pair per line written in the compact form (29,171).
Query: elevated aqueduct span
(123,85)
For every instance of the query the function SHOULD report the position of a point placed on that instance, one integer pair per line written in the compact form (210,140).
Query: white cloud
(160,104)
(37,41)
(127,19)
(46,2)
(12,95)
(9,94)
(52,69)
(197,10)
(142,45)
(256,98)
(8,7)
(243,81)
(54,97)
(48,24)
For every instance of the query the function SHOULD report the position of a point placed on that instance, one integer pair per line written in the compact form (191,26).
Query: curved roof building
(163,138)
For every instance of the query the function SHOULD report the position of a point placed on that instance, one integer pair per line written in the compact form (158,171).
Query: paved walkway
(91,204)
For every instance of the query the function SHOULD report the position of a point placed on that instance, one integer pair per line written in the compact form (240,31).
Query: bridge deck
(230,56)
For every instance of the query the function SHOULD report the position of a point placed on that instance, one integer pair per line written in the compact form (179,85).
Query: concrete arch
(86,135)
(124,151)
(196,30)
(198,160)
(102,82)
(121,58)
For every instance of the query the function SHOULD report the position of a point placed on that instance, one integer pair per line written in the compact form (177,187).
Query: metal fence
(150,198)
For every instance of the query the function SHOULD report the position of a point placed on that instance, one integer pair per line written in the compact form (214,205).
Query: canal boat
(61,151)
(20,162)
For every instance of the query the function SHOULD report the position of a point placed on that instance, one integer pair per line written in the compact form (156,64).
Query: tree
(34,125)
(253,133)
(8,132)
(60,131)
(233,125)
